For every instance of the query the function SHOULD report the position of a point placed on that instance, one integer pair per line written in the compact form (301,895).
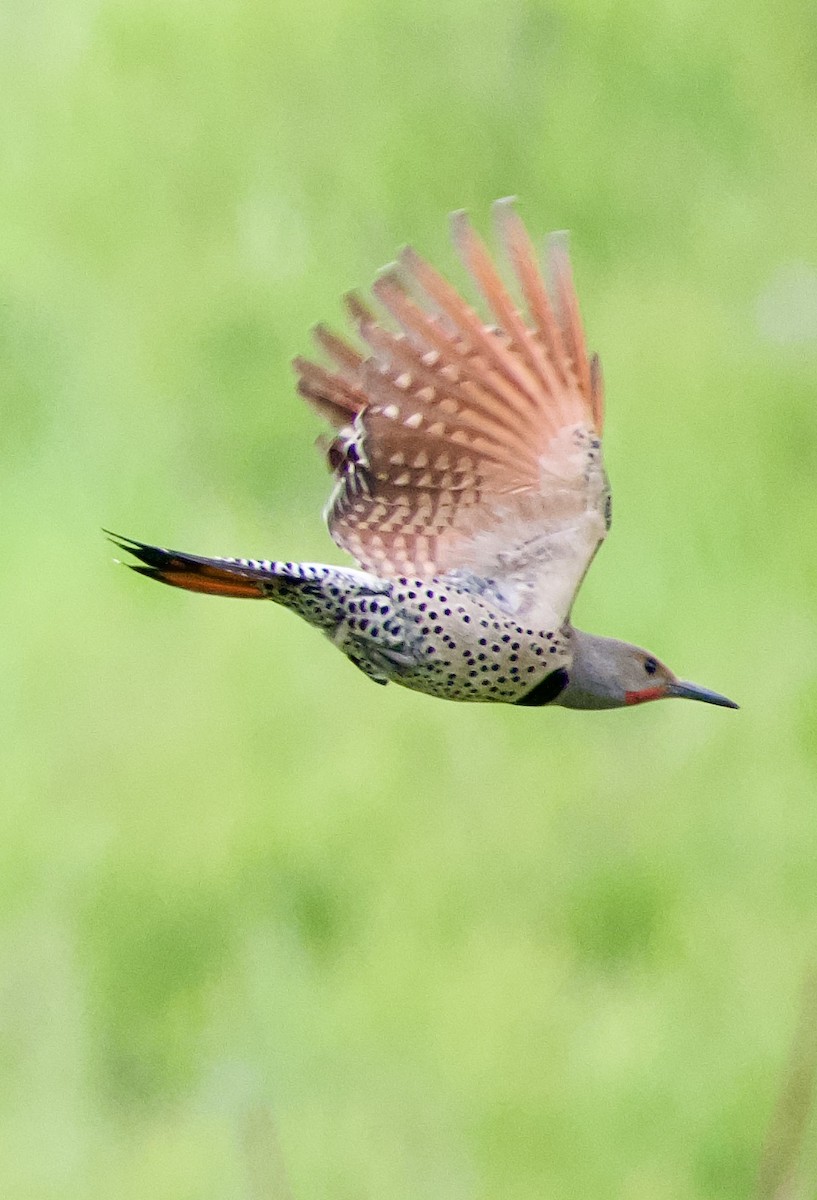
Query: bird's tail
(245,578)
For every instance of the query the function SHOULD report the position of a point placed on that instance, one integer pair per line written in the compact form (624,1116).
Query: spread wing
(466,447)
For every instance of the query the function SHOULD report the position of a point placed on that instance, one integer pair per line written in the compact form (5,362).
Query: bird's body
(469,487)
(445,636)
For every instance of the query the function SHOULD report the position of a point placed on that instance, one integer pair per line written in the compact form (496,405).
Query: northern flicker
(468,486)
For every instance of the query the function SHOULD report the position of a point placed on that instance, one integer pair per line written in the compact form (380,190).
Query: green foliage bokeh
(267,930)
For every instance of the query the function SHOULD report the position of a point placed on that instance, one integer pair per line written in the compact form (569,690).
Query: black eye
(650,666)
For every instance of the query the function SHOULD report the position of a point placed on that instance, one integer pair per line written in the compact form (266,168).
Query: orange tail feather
(214,576)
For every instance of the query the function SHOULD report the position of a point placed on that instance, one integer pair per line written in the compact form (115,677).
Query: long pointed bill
(691,691)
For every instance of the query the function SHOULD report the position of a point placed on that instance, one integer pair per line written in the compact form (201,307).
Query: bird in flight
(468,486)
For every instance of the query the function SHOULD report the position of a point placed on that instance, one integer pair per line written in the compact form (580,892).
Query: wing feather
(521,252)
(333,396)
(567,307)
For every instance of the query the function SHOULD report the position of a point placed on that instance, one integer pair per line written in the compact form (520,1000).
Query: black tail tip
(152,556)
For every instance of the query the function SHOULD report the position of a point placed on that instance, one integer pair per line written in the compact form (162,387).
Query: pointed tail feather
(215,576)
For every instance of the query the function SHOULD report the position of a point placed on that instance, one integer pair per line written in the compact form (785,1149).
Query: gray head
(607,673)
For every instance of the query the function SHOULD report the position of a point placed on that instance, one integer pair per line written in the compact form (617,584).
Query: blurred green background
(269,931)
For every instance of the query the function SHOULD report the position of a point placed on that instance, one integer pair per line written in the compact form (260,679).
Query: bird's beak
(691,691)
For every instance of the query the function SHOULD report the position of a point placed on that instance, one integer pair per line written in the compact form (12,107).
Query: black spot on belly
(546,690)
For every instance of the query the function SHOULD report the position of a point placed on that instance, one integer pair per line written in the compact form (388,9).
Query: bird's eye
(650,666)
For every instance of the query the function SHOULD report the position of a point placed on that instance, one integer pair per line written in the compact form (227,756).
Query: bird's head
(607,673)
